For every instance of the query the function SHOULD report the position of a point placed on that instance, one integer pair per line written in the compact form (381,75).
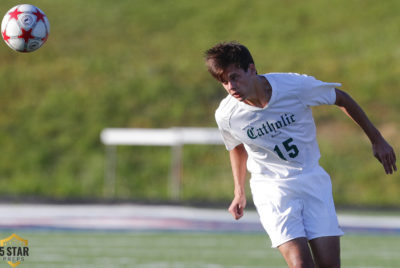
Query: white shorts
(296,207)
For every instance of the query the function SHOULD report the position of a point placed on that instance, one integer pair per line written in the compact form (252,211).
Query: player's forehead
(230,71)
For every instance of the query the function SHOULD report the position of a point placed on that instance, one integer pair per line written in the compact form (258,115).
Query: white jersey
(280,139)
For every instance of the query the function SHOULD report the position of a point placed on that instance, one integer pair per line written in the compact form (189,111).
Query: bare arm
(381,149)
(238,157)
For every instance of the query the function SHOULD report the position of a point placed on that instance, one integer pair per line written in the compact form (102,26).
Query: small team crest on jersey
(271,128)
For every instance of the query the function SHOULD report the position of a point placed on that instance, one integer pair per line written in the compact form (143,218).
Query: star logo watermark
(14,250)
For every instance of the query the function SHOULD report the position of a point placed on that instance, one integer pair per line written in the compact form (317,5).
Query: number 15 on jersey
(289,149)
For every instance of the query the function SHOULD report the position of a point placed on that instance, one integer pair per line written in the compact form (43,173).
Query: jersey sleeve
(223,125)
(229,140)
(314,92)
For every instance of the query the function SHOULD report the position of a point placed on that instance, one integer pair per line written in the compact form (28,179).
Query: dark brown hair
(222,55)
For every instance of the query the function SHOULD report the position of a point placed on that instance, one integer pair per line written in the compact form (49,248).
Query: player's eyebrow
(233,75)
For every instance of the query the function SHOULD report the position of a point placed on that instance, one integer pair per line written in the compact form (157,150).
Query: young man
(267,125)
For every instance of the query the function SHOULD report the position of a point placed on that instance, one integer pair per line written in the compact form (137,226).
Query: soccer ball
(25,28)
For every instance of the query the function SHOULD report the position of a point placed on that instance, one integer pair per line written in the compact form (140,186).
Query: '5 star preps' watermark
(14,250)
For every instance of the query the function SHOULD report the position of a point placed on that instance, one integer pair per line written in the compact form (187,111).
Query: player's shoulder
(289,77)
(226,108)
(288,83)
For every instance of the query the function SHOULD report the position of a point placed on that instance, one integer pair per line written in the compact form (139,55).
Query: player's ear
(252,68)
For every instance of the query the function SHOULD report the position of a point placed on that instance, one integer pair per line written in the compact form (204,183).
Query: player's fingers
(393,168)
(387,165)
(233,209)
(239,212)
(393,161)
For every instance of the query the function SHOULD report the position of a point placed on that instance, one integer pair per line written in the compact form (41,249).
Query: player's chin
(240,98)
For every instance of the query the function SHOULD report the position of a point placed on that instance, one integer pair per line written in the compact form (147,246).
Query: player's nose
(231,86)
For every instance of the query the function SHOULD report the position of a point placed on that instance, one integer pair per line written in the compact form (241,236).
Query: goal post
(174,137)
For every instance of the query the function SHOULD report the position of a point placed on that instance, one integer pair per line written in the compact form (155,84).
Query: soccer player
(267,126)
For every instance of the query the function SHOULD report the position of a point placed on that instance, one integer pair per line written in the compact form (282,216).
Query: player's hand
(385,154)
(237,206)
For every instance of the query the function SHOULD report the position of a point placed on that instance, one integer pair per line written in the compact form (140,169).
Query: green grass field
(181,250)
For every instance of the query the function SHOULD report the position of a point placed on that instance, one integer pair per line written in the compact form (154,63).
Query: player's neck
(261,94)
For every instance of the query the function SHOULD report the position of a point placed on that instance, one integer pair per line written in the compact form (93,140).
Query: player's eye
(234,77)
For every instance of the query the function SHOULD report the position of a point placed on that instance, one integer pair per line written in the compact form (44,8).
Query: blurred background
(139,64)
